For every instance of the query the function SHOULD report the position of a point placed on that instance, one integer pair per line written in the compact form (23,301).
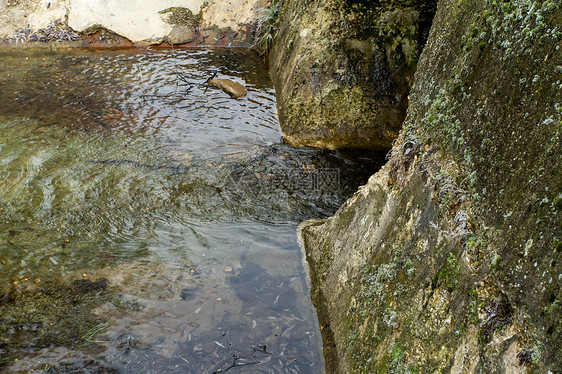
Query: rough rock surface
(233,88)
(35,14)
(343,69)
(140,21)
(449,259)
(137,20)
(181,35)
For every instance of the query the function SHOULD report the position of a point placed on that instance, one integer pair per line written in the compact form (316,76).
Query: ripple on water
(126,165)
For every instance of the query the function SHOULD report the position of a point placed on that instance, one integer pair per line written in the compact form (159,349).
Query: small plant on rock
(265,28)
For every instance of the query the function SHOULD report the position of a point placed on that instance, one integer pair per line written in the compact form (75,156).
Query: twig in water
(261,348)
(234,357)
(212,76)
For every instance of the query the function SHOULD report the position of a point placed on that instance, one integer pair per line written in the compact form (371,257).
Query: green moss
(379,288)
(53,314)
(323,262)
(449,273)
(516,25)
(557,201)
(181,16)
(396,364)
(349,77)
(477,251)
(13,3)
(362,15)
(487,121)
(266,27)
(557,244)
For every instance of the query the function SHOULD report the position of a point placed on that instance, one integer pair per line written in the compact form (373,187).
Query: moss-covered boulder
(343,69)
(449,259)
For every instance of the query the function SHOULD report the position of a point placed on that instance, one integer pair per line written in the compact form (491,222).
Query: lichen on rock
(448,260)
(141,23)
(51,313)
(343,69)
(181,16)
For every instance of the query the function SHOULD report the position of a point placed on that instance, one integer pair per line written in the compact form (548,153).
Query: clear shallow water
(124,165)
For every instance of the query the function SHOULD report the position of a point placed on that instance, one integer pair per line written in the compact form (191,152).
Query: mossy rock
(343,69)
(470,199)
(51,313)
(181,16)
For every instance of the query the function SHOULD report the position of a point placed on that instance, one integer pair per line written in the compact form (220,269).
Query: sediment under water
(148,221)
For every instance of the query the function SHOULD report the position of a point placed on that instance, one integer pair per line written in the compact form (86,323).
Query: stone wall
(343,69)
(449,259)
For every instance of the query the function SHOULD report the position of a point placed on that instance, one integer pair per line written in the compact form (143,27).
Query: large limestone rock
(343,69)
(449,259)
(34,14)
(137,20)
(140,21)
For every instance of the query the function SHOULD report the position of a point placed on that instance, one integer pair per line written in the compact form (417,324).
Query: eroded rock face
(343,69)
(34,14)
(141,22)
(136,20)
(449,259)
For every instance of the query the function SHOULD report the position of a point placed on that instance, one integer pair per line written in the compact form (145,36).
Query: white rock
(137,20)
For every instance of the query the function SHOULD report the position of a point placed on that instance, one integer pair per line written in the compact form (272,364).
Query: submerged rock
(233,88)
(86,286)
(39,315)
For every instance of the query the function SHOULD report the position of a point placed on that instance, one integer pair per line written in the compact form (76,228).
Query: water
(148,221)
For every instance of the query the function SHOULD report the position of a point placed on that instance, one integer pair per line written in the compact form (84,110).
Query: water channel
(148,220)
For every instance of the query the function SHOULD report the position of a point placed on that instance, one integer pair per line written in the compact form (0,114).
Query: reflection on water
(125,165)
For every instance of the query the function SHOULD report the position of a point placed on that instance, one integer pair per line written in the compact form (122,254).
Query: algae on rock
(449,259)
(343,69)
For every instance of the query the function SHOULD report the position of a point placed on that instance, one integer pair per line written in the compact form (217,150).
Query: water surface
(125,166)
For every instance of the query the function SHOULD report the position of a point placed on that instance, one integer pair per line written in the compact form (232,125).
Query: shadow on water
(180,201)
